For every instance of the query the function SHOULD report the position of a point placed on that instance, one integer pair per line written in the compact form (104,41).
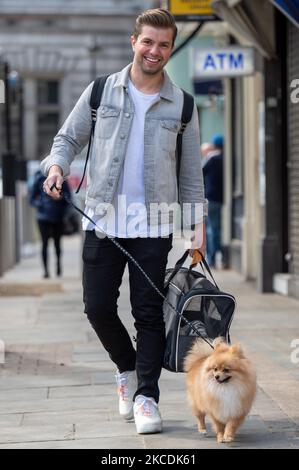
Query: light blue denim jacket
(114,119)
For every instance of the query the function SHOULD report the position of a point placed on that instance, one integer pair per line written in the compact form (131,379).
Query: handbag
(201,310)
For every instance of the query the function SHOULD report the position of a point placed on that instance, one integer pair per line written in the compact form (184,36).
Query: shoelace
(122,388)
(145,407)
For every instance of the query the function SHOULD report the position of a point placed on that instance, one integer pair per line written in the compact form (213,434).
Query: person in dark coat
(213,178)
(50,214)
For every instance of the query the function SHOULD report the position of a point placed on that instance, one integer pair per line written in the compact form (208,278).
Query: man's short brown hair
(158,18)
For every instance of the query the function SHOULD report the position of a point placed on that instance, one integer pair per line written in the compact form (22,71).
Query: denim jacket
(114,119)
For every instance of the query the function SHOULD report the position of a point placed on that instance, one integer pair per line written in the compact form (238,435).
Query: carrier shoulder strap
(187,112)
(95,101)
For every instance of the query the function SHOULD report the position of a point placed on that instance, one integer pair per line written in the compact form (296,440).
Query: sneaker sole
(128,416)
(149,428)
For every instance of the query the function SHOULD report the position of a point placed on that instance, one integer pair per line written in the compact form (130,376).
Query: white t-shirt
(127,217)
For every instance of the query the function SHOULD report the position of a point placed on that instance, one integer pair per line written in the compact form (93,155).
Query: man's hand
(198,239)
(54,178)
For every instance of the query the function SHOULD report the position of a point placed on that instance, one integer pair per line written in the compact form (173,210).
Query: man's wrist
(55,169)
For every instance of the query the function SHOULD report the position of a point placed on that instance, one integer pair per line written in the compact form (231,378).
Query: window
(48,92)
(238,156)
(47,114)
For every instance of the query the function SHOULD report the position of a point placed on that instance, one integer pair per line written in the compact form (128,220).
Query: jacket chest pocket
(107,120)
(169,132)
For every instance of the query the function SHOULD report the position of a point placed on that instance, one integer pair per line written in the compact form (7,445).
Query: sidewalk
(57,386)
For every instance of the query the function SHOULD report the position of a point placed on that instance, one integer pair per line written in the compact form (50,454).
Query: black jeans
(103,269)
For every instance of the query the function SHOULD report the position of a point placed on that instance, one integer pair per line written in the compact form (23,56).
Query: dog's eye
(215,369)
(226,370)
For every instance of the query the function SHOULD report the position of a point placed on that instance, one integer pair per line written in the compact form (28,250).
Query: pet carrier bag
(202,310)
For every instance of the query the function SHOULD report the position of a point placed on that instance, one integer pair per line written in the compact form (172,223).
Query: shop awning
(252,19)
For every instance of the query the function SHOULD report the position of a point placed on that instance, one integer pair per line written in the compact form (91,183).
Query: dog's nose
(217,377)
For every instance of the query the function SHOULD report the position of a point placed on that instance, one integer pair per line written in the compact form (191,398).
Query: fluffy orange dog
(221,383)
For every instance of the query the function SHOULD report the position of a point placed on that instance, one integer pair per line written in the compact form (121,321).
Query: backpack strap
(187,112)
(95,101)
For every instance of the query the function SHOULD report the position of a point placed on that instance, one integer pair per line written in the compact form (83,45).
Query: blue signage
(290,8)
(224,60)
(227,61)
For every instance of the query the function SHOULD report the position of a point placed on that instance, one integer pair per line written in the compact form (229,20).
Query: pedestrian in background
(50,214)
(133,155)
(205,149)
(213,178)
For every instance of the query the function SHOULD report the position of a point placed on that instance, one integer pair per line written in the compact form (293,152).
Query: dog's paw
(220,438)
(227,438)
(203,432)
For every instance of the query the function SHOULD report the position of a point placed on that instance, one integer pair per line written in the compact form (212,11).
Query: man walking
(132,168)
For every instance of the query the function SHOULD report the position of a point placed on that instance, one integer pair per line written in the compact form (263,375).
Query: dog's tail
(200,350)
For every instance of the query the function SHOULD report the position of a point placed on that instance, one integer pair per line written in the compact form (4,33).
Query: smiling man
(132,162)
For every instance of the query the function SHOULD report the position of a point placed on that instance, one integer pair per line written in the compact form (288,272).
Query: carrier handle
(177,267)
(198,257)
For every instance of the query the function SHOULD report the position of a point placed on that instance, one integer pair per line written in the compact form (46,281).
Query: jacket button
(127,115)
(116,160)
(110,183)
(122,136)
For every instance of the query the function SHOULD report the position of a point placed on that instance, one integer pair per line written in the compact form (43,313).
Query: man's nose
(155,49)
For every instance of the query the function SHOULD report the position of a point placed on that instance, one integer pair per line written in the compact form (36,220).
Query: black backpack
(95,101)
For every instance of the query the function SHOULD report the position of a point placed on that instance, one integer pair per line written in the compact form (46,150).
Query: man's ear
(133,42)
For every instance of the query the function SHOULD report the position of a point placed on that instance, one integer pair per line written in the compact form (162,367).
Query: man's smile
(152,60)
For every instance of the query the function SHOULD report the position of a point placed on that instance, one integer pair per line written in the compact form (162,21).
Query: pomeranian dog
(221,383)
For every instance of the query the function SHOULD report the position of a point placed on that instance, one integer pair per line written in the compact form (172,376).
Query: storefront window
(47,114)
(238,155)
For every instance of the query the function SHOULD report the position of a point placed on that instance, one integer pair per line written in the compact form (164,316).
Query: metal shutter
(293,145)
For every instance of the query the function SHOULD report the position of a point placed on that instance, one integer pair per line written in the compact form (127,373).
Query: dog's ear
(220,344)
(237,350)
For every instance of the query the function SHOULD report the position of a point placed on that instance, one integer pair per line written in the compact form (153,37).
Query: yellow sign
(191,7)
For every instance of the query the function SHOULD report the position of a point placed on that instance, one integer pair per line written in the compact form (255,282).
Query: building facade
(54,49)
(57,48)
(262,135)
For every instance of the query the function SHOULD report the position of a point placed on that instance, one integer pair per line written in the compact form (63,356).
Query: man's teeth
(152,60)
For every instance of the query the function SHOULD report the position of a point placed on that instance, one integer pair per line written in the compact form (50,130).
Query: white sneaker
(147,416)
(126,387)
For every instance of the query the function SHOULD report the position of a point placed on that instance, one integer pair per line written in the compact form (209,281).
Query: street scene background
(57,384)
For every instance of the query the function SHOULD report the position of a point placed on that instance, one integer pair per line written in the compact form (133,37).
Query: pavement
(57,387)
